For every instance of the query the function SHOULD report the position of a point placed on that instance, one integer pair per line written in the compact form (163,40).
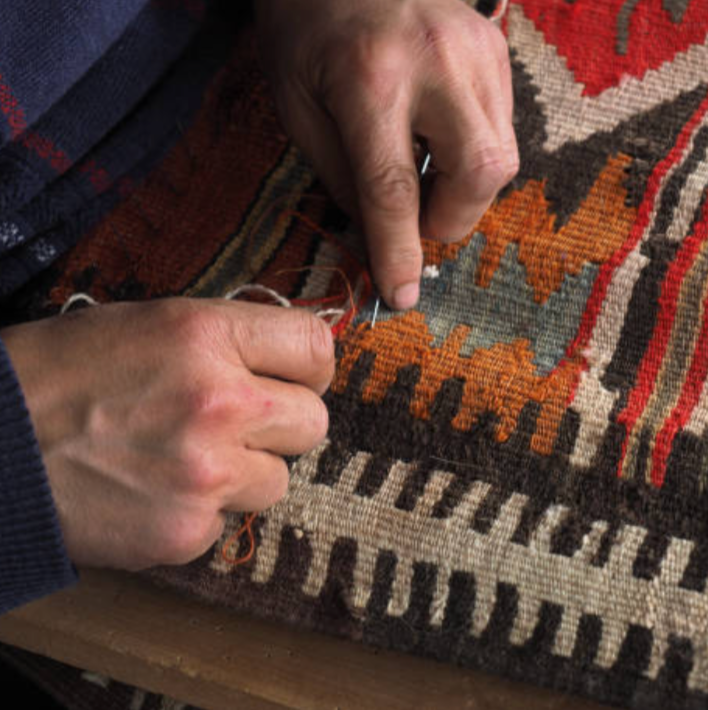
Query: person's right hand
(155,418)
(356,80)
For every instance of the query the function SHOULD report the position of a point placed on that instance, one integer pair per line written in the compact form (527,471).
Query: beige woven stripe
(699,417)
(318,280)
(326,514)
(672,569)
(691,193)
(291,178)
(592,401)
(565,637)
(528,608)
(570,116)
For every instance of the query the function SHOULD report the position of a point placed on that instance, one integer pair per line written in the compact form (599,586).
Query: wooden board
(122,626)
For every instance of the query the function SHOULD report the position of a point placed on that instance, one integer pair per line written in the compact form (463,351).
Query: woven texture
(515,472)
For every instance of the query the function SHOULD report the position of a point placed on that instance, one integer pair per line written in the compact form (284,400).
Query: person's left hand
(356,81)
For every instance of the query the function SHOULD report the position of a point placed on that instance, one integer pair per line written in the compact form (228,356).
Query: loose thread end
(343,316)
(247,527)
(78,298)
(500,11)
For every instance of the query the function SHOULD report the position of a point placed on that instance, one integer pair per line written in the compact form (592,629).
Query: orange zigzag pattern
(500,379)
(592,234)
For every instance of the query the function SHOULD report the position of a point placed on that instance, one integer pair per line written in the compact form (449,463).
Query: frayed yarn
(258,288)
(78,298)
(500,11)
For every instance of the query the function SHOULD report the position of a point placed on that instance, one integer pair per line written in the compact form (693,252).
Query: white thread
(329,312)
(334,313)
(500,11)
(245,288)
(78,298)
(431,272)
(250,288)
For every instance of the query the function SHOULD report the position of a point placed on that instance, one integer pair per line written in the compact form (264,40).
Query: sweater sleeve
(33,559)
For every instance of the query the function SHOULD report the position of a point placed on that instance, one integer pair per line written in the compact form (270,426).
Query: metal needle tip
(376,311)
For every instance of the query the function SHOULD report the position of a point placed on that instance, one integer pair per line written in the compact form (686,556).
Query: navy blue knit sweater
(91,91)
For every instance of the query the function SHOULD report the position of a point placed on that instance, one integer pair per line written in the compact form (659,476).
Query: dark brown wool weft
(515,474)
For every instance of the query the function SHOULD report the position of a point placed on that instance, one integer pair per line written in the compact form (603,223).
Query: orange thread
(353,309)
(357,267)
(499,11)
(325,234)
(306,302)
(326,299)
(267,212)
(351,262)
(247,527)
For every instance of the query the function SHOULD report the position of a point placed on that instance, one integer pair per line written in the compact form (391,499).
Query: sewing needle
(423,170)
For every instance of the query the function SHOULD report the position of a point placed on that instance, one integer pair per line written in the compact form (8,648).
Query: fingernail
(406,296)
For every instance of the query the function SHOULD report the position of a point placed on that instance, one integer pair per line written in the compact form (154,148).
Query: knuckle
(392,189)
(182,538)
(280,478)
(508,160)
(440,46)
(486,37)
(201,399)
(375,62)
(402,266)
(317,419)
(244,332)
(197,472)
(168,311)
(273,477)
(318,336)
(513,163)
(197,327)
(490,169)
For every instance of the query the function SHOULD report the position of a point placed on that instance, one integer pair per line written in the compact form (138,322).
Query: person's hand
(155,418)
(356,80)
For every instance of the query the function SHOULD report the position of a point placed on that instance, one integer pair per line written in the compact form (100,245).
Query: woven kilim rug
(515,474)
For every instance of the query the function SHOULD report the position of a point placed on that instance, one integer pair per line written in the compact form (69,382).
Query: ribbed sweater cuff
(33,560)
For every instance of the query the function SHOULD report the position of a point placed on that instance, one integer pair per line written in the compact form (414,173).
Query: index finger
(378,143)
(288,343)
